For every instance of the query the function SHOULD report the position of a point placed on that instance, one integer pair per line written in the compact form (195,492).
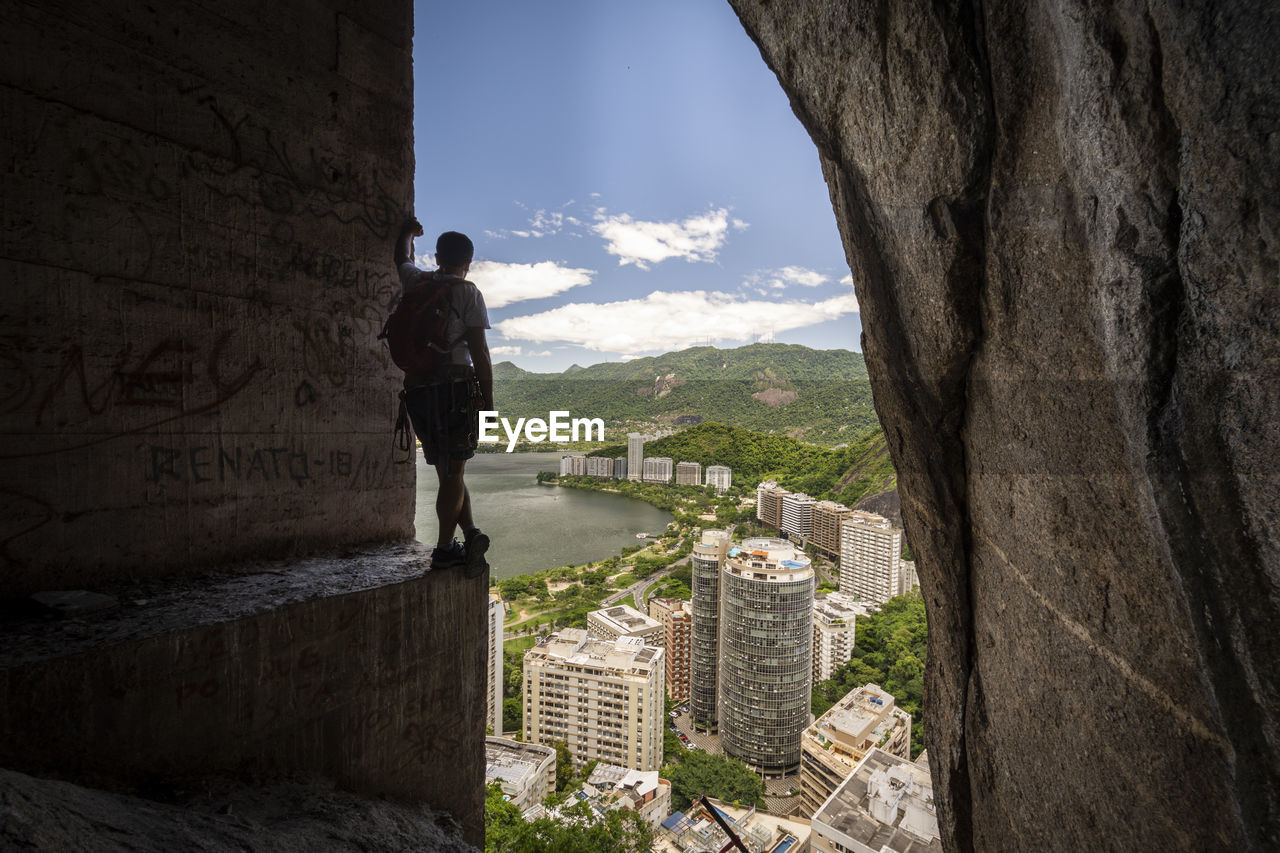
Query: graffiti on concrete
(309,182)
(217,463)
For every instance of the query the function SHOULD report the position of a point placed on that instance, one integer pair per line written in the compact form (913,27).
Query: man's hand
(404,244)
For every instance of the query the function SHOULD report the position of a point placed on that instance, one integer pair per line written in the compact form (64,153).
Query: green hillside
(822,396)
(844,474)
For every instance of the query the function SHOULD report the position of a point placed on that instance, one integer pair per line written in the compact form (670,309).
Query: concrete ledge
(367,669)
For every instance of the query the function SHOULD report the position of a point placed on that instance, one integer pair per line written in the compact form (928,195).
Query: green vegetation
(889,650)
(719,776)
(784,389)
(843,474)
(579,830)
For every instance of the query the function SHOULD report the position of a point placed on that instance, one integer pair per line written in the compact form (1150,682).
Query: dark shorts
(446,419)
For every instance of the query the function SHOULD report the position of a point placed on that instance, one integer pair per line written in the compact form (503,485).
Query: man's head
(454,250)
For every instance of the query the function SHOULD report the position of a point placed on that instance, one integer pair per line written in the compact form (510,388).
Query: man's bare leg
(453,503)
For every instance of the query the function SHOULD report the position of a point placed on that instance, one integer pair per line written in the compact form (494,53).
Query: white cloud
(503,284)
(847,280)
(787,276)
(505,350)
(640,242)
(669,321)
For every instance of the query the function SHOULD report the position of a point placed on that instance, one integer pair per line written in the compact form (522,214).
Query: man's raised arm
(404,243)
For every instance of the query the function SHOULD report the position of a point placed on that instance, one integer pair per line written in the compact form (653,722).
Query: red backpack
(417,331)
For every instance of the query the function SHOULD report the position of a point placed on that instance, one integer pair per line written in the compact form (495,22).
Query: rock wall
(1061,220)
(199,204)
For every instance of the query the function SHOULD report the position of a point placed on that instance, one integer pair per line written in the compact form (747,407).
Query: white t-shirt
(468,308)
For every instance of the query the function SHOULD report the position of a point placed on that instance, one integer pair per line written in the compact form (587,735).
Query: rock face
(40,814)
(1061,220)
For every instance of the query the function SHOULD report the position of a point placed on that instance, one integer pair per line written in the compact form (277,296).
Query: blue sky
(632,176)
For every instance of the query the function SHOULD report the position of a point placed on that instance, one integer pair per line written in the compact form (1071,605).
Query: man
(445,405)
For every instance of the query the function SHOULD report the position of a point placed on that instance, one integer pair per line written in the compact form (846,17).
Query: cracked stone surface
(1061,222)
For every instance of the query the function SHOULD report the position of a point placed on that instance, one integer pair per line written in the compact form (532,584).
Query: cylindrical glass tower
(766,653)
(704,642)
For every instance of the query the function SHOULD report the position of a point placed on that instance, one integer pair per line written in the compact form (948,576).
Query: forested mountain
(821,396)
(844,474)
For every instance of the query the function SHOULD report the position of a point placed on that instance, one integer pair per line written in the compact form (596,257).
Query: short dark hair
(454,249)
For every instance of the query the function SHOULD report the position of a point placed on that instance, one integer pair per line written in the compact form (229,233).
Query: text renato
(557,427)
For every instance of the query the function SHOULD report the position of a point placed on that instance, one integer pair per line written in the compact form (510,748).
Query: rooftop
(513,761)
(864,713)
(886,805)
(576,648)
(622,619)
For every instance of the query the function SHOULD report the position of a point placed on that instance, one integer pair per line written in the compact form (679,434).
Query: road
(640,588)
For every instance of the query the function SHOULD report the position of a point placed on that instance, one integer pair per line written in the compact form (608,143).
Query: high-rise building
(907,576)
(658,469)
(635,456)
(720,476)
(766,654)
(662,608)
(679,631)
(603,697)
(769,504)
(885,806)
(493,711)
(599,466)
(572,464)
(526,771)
(704,643)
(620,468)
(610,623)
(827,516)
(833,632)
(688,474)
(797,516)
(870,553)
(864,718)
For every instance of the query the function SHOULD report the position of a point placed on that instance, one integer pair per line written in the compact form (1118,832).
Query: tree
(512,714)
(564,765)
(719,776)
(580,830)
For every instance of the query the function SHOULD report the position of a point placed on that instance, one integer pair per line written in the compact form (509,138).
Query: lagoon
(535,527)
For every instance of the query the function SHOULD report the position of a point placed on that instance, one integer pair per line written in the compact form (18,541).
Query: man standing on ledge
(445,405)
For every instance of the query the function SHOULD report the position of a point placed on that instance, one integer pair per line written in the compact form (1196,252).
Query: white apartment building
(620,468)
(635,456)
(573,464)
(865,718)
(611,623)
(599,466)
(870,554)
(658,469)
(602,697)
(833,632)
(494,684)
(720,476)
(526,771)
(797,515)
(907,576)
(688,474)
(769,504)
(885,806)
(827,516)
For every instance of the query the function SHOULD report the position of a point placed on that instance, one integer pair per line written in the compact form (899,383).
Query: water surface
(535,527)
